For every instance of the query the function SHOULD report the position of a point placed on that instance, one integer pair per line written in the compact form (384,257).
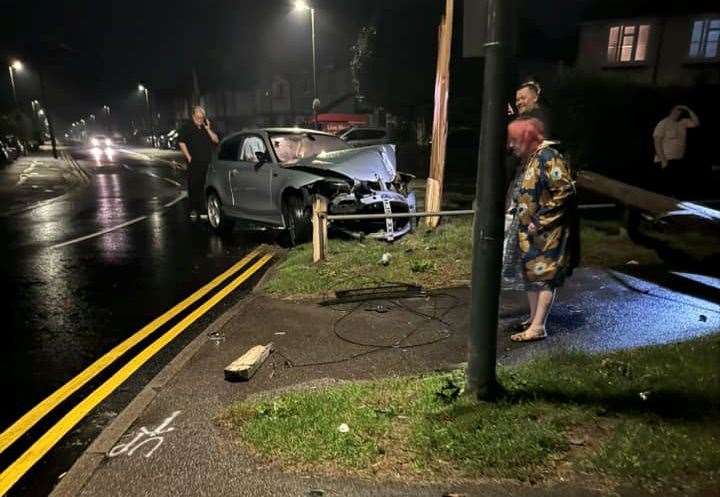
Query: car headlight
(108,142)
(95,142)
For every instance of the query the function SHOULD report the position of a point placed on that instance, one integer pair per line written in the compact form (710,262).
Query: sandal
(529,336)
(519,326)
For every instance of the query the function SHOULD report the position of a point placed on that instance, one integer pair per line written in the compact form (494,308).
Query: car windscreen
(293,146)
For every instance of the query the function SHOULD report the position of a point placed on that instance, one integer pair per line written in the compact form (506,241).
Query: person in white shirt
(670,137)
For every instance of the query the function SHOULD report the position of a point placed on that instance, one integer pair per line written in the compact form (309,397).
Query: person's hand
(663,163)
(189,158)
(207,123)
(532,228)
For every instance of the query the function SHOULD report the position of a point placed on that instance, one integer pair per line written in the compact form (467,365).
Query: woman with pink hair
(539,234)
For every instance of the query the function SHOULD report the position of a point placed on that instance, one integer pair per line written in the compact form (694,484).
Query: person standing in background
(197,140)
(670,140)
(527,98)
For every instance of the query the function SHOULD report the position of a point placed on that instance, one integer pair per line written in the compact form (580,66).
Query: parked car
(364,136)
(270,175)
(5,153)
(15,145)
(169,140)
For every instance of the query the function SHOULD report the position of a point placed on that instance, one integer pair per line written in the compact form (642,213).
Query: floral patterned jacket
(542,198)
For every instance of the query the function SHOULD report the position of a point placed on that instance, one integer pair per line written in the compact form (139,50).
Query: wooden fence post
(319,221)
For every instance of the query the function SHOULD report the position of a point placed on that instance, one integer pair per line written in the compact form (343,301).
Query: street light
(15,66)
(302,5)
(143,89)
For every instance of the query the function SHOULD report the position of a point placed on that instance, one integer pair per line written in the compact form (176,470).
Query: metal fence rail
(321,218)
(352,217)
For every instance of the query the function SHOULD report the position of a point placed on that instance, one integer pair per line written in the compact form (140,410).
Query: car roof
(372,128)
(282,130)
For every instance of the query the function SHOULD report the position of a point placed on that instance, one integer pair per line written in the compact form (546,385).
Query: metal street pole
(48,114)
(12,83)
(314,62)
(489,209)
(106,110)
(149,112)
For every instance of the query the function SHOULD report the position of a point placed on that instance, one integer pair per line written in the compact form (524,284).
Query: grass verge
(433,259)
(647,417)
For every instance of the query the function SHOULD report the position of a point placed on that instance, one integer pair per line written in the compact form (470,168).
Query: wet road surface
(88,270)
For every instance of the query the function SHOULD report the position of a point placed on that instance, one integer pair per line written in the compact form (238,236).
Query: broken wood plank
(629,195)
(319,222)
(244,367)
(433,201)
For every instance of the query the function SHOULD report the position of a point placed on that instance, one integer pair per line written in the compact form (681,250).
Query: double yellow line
(31,456)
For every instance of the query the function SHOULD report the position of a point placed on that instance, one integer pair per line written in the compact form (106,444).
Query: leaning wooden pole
(434,191)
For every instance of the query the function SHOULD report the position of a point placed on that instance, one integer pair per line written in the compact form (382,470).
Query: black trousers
(674,178)
(196,173)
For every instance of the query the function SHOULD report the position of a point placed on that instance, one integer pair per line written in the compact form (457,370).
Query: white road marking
(154,175)
(119,226)
(172,163)
(178,199)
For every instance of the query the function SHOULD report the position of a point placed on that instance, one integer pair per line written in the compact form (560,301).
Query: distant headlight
(95,142)
(108,142)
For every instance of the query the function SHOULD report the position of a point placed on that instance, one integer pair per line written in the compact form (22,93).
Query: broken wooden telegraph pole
(434,191)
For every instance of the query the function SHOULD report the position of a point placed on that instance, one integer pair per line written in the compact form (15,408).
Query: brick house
(681,50)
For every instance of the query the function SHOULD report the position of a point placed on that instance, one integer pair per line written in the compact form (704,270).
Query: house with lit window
(679,50)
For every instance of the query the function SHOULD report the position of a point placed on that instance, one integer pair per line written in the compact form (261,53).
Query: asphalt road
(86,270)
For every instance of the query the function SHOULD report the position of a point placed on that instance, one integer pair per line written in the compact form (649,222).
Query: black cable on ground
(374,347)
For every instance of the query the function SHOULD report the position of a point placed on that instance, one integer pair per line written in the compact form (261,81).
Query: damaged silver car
(270,175)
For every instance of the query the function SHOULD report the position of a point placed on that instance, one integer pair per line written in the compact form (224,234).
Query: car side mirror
(262,158)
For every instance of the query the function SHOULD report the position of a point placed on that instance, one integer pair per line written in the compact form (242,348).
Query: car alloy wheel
(219,222)
(214,213)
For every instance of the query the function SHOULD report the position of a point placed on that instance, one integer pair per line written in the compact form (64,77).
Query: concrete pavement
(168,442)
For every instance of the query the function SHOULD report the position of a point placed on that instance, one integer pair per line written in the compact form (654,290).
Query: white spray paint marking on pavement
(27,172)
(145,436)
(117,227)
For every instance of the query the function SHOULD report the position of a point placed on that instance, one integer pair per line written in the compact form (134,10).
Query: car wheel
(298,221)
(219,223)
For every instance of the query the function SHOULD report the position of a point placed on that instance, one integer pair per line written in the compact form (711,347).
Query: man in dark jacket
(526,101)
(197,140)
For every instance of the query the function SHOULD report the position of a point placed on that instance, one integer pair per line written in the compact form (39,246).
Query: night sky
(96,52)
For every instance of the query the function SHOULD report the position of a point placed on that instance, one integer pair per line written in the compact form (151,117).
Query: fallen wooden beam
(642,199)
(244,367)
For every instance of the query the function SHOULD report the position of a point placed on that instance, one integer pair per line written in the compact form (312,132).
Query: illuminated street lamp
(15,66)
(302,5)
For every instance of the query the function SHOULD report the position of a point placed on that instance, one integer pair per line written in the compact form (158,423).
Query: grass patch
(607,244)
(433,259)
(647,416)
